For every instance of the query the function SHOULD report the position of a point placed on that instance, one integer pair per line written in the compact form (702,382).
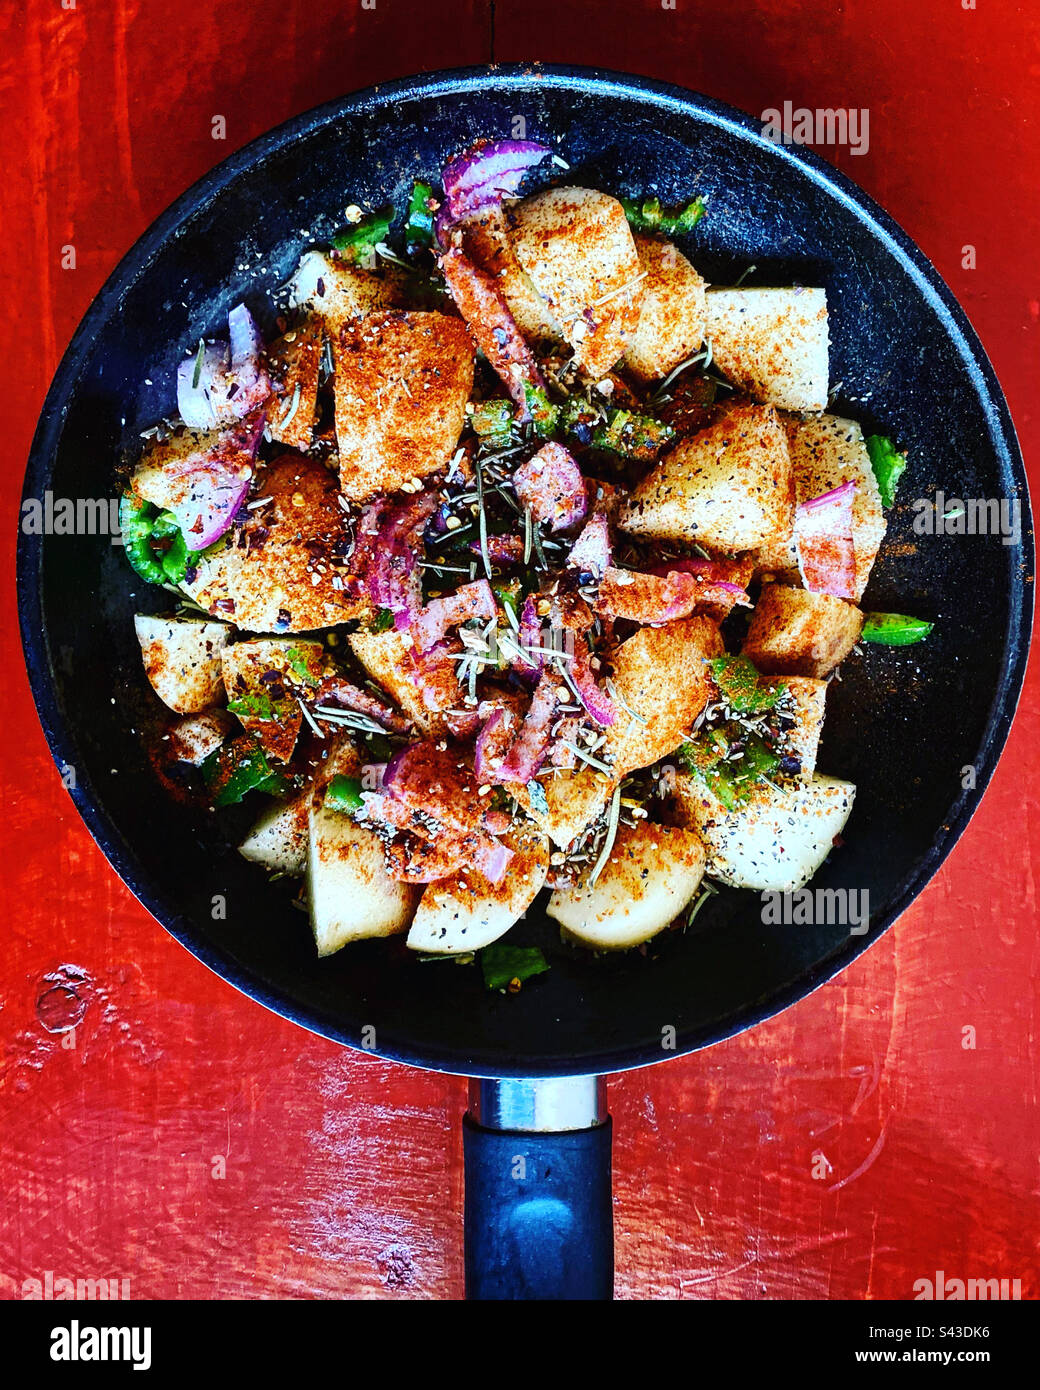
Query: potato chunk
(660,675)
(487,242)
(827,451)
(573,801)
(350,893)
(776,842)
(795,633)
(466,911)
(652,873)
(294,362)
(671,320)
(772,343)
(388,658)
(278,840)
(402,383)
(576,246)
(803,700)
(182,660)
(726,488)
(262,576)
(337,292)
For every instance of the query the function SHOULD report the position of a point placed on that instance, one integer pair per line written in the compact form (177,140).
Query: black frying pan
(902,725)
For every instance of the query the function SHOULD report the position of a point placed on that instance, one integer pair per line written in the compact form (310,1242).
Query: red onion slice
(193,397)
(232,380)
(591,552)
(527,752)
(208,487)
(492,326)
(476,600)
(550,485)
(824,542)
(491,859)
(486,173)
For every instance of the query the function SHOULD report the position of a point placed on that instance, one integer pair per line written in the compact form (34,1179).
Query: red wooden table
(342,1175)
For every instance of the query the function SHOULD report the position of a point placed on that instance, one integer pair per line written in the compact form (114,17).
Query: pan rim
(470,80)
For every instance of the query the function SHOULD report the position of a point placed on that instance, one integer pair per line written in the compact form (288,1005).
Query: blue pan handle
(538,1215)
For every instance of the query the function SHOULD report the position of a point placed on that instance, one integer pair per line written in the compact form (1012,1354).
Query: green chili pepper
(494,422)
(418,224)
(894,630)
(382,622)
(343,794)
(888,465)
(358,243)
(635,436)
(741,685)
(135,525)
(649,216)
(544,414)
(503,964)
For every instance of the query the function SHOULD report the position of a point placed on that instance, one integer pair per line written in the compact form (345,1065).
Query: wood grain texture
(342,1175)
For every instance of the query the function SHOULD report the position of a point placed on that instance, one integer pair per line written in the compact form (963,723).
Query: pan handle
(538,1214)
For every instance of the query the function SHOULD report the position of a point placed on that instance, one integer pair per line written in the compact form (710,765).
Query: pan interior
(903,725)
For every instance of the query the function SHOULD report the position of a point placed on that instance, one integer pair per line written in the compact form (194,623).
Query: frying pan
(903,725)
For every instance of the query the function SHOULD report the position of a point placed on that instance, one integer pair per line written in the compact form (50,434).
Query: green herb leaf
(503,964)
(299,659)
(894,630)
(196,375)
(888,465)
(742,687)
(494,422)
(238,767)
(382,622)
(343,794)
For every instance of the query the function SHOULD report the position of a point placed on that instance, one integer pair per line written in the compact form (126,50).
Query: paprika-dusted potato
(796,633)
(670,327)
(726,488)
(182,660)
(576,246)
(402,384)
(772,343)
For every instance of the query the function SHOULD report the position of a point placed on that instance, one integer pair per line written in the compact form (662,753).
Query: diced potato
(486,241)
(266,707)
(386,656)
(193,739)
(727,488)
(772,343)
(466,911)
(652,873)
(350,893)
(577,248)
(671,320)
(294,363)
(266,583)
(776,842)
(278,841)
(182,660)
(402,384)
(337,292)
(660,675)
(827,451)
(796,633)
(804,700)
(573,800)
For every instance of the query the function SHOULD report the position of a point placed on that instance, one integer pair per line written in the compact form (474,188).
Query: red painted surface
(343,1173)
